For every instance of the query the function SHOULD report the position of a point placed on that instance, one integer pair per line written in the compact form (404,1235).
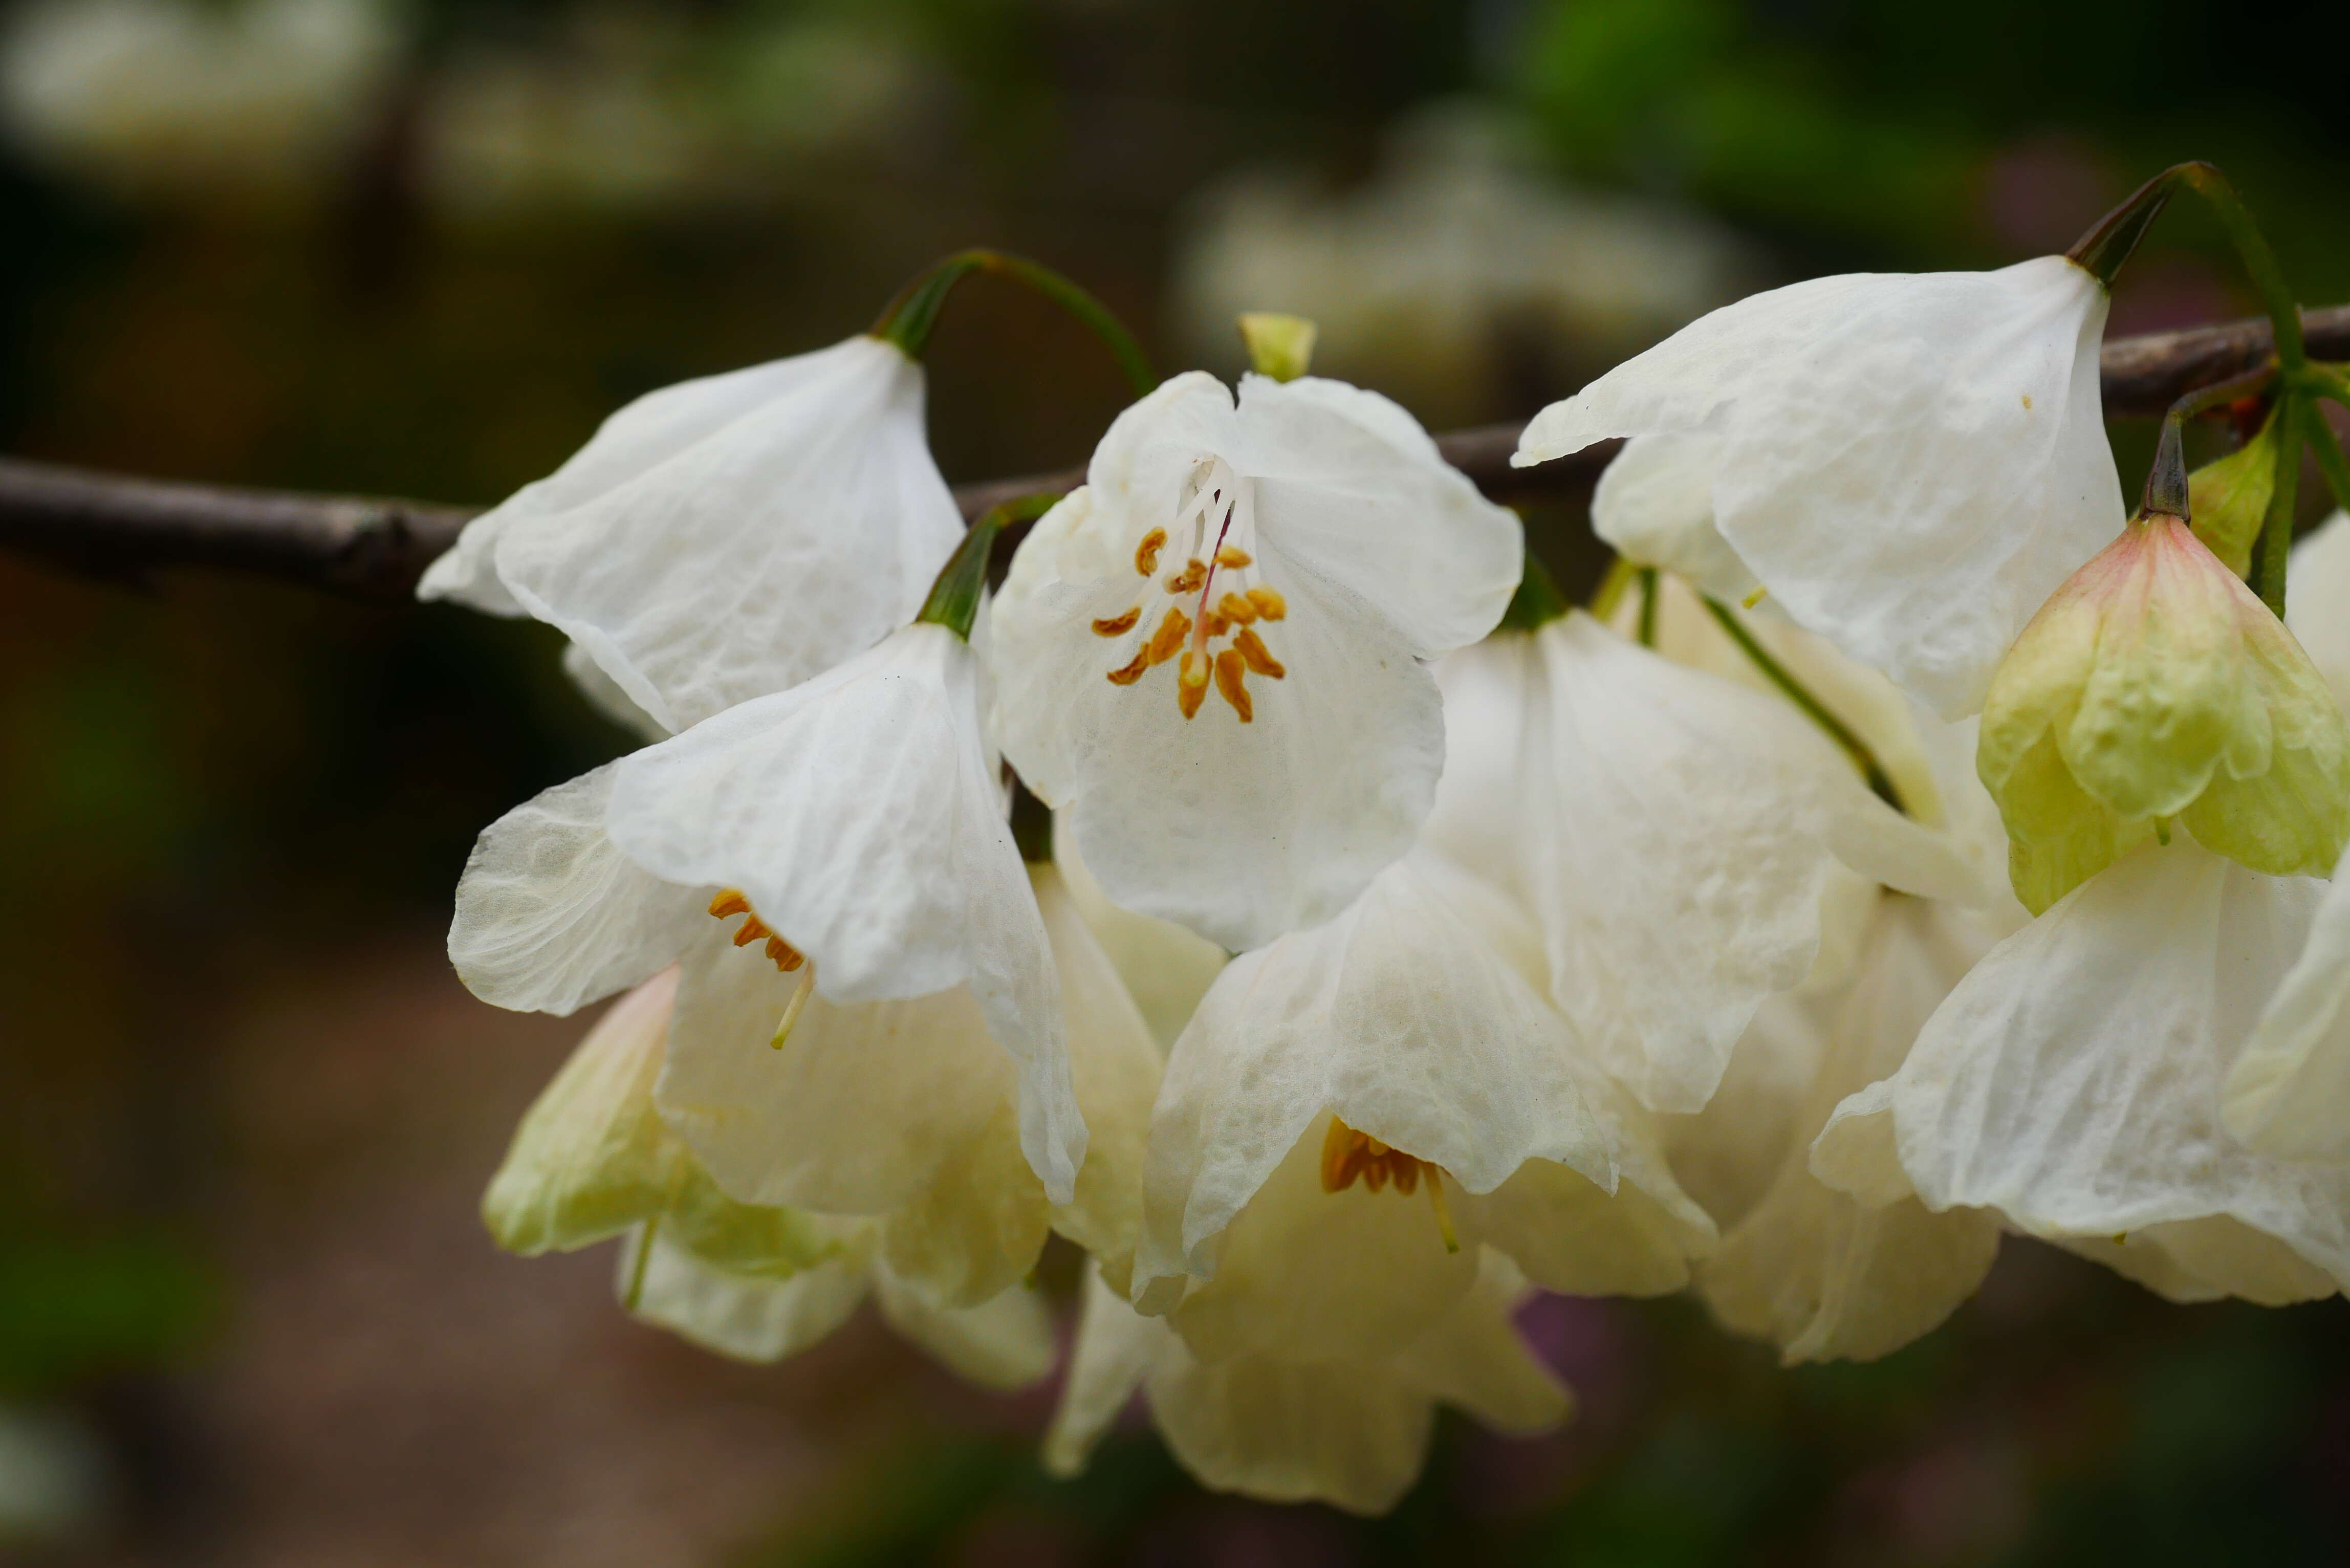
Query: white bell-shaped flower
(855,822)
(906,1110)
(1673,835)
(1910,464)
(1351,1433)
(727,537)
(1292,559)
(1406,1045)
(2071,1085)
(1816,1270)
(594,1160)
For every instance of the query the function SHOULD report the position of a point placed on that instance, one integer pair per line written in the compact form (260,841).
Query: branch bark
(372,547)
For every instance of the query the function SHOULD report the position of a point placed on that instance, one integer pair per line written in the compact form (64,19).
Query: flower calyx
(1280,347)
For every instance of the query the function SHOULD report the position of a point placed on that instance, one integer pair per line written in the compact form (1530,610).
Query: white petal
(859,1110)
(976,1228)
(1667,829)
(1294,1432)
(1814,1270)
(1655,504)
(1910,464)
(1116,1346)
(467,574)
(730,537)
(1727,1155)
(748,1318)
(1352,490)
(1477,1361)
(604,694)
(1166,968)
(1302,1274)
(1114,1064)
(2071,1082)
(1004,1343)
(1403,1017)
(859,815)
(591,1156)
(2289,1093)
(551,915)
(1573,1236)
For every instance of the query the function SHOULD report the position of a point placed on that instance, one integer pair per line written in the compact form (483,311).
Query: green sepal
(954,594)
(2229,497)
(1537,602)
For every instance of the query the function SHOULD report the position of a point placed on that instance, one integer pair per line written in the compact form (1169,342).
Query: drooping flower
(906,1112)
(2153,687)
(2071,1085)
(1167,967)
(593,1159)
(1672,834)
(1814,1271)
(729,537)
(1290,559)
(854,822)
(1406,1043)
(1910,463)
(1351,1433)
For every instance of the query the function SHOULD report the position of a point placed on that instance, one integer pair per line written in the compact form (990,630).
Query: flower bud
(2154,686)
(1281,347)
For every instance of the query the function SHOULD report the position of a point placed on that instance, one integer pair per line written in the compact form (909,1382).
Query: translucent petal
(1910,464)
(725,538)
(551,916)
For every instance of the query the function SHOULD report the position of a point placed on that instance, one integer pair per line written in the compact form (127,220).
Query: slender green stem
(909,320)
(638,1265)
(2260,262)
(2167,489)
(2106,248)
(1647,607)
(954,594)
(1880,783)
(1610,591)
(2327,381)
(2273,552)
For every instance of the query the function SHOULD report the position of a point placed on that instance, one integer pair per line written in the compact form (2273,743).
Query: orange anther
(1251,648)
(1230,668)
(1234,607)
(750,931)
(787,957)
(1111,626)
(1131,671)
(1188,580)
(729,901)
(1232,555)
(1269,602)
(1146,555)
(1191,681)
(1168,637)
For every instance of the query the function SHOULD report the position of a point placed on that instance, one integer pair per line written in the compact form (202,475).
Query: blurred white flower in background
(1454,266)
(155,96)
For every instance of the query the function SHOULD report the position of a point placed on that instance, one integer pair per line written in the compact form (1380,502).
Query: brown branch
(110,526)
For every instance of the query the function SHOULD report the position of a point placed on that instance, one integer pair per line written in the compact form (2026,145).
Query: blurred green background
(246,1313)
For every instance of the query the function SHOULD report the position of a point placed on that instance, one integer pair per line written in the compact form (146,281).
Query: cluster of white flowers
(1411,941)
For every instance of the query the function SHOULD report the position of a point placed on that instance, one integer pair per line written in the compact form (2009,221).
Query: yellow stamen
(1188,580)
(1230,668)
(1232,555)
(731,902)
(1756,597)
(1348,1156)
(1260,658)
(1232,606)
(1269,602)
(1146,555)
(1112,625)
(1170,637)
(787,957)
(1130,672)
(800,995)
(1191,681)
(751,931)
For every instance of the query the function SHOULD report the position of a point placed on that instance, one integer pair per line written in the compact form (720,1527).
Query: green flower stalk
(2154,688)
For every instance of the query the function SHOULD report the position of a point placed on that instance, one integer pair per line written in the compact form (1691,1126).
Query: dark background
(246,1313)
